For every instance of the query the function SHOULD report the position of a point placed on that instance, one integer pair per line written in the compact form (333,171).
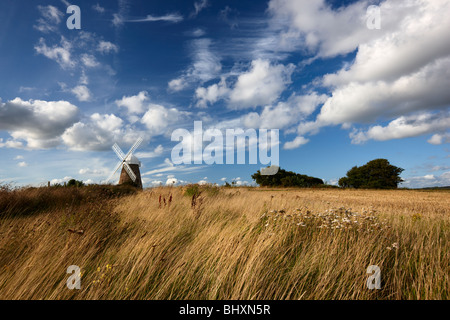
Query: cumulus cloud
(438,139)
(385,81)
(428,180)
(285,113)
(135,104)
(211,94)
(158,118)
(22,164)
(61,54)
(261,85)
(364,102)
(301,24)
(36,122)
(82,93)
(60,181)
(171,181)
(294,144)
(404,127)
(98,133)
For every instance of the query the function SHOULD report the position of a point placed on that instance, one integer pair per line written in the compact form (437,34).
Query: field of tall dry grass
(223,243)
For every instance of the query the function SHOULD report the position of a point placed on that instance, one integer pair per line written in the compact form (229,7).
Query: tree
(285,178)
(376,174)
(75,183)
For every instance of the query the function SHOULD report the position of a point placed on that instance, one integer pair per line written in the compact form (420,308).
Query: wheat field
(224,243)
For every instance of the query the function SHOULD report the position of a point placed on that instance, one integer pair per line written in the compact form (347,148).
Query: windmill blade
(134,147)
(118,151)
(129,171)
(115,170)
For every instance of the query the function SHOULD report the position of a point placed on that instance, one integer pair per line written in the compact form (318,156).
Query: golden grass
(235,243)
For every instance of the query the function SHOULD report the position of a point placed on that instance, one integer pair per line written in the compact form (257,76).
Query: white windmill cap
(131,159)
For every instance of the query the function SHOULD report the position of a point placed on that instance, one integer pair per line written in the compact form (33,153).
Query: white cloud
(94,172)
(49,20)
(297,142)
(404,127)
(22,164)
(107,122)
(18,158)
(99,132)
(60,54)
(428,180)
(171,181)
(199,6)
(438,139)
(158,151)
(285,114)
(178,84)
(316,27)
(107,47)
(60,181)
(134,104)
(172,17)
(211,94)
(198,32)
(261,85)
(82,93)
(89,60)
(385,81)
(38,123)
(158,118)
(205,66)
(118,20)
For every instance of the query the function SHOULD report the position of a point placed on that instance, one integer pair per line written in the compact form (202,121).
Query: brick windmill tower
(130,164)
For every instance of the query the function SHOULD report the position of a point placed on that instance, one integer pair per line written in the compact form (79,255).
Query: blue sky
(340,93)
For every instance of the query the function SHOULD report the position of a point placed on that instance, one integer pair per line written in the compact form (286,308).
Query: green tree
(376,174)
(75,183)
(285,178)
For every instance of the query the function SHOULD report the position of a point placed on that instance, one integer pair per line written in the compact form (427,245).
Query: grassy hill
(223,243)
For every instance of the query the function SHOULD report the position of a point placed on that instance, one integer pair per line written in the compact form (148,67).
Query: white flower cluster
(336,219)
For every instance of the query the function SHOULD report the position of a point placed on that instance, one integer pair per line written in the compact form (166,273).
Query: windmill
(130,165)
